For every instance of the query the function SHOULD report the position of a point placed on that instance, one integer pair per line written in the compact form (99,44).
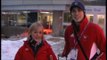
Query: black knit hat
(77,4)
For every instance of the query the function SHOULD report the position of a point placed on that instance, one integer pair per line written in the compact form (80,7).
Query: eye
(79,10)
(73,11)
(39,32)
(35,32)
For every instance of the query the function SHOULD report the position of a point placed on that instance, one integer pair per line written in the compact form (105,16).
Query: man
(88,33)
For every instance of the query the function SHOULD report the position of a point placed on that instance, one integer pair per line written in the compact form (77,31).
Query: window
(46,18)
(21,19)
(101,20)
(67,17)
(90,17)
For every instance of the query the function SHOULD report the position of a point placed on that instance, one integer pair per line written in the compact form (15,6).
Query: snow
(9,47)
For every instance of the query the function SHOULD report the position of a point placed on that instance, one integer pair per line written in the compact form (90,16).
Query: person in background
(45,23)
(88,34)
(35,47)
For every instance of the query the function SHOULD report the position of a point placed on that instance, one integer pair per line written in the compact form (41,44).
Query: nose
(76,13)
(37,34)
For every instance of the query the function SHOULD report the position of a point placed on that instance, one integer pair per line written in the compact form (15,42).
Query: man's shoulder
(46,43)
(93,25)
(25,45)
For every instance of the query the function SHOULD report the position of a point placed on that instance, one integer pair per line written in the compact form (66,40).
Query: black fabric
(37,47)
(77,4)
(77,27)
(31,41)
(33,45)
(95,56)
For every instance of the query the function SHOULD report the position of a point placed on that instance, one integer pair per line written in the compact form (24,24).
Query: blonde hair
(35,26)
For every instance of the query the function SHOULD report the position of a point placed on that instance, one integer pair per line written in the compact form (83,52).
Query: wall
(95,11)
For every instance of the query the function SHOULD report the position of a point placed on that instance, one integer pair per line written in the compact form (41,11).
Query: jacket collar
(83,23)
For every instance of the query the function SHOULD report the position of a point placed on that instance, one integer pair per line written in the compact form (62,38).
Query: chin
(77,20)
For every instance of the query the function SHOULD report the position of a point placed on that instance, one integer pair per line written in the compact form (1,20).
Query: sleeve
(101,43)
(18,55)
(52,55)
(67,43)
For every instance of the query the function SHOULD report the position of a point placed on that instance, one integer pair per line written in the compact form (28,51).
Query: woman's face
(77,14)
(37,34)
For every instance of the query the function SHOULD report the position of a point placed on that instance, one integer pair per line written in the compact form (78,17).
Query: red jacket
(93,33)
(26,52)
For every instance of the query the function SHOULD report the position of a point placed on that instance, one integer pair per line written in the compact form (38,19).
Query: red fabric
(26,53)
(92,34)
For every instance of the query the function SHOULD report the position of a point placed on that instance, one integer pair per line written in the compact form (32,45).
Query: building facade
(54,13)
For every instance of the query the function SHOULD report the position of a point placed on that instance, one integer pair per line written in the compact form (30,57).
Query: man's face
(77,14)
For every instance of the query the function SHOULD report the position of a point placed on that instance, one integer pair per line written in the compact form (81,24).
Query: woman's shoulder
(46,44)
(25,45)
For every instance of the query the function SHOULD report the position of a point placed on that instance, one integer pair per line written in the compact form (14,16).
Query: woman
(35,48)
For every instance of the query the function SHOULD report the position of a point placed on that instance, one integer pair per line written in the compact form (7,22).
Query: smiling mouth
(76,18)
